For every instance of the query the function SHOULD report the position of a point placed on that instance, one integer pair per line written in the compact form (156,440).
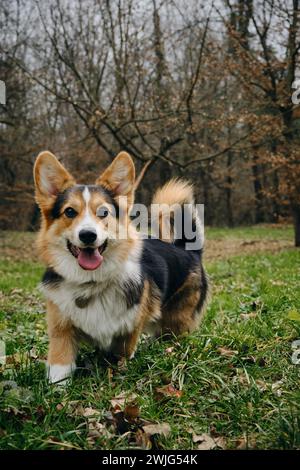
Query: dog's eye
(70,212)
(102,212)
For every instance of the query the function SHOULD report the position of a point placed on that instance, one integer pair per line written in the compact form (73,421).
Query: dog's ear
(119,177)
(50,178)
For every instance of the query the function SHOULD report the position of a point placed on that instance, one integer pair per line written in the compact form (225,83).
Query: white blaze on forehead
(87,221)
(86,195)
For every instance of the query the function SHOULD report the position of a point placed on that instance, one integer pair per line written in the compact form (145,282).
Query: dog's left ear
(119,177)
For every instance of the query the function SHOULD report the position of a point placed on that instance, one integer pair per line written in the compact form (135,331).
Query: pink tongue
(89,259)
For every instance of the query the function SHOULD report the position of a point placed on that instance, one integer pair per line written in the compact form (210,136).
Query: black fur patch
(203,290)
(133,292)
(108,195)
(168,265)
(62,198)
(51,277)
(186,220)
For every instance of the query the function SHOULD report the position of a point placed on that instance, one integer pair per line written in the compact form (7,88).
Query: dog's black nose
(87,236)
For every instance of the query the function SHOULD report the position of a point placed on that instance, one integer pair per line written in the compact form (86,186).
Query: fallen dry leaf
(75,408)
(227,352)
(221,442)
(207,442)
(167,391)
(161,428)
(89,412)
(122,398)
(131,412)
(97,429)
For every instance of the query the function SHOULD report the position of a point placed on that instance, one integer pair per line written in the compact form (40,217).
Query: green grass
(251,393)
(255,232)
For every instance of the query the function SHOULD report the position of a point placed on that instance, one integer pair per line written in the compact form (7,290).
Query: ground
(232,384)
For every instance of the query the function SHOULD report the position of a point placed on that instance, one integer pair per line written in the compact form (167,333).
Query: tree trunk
(259,213)
(296,214)
(229,191)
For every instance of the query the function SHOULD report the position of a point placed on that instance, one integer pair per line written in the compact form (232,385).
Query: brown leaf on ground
(122,398)
(89,412)
(75,408)
(227,352)
(207,442)
(167,391)
(131,412)
(160,428)
(96,430)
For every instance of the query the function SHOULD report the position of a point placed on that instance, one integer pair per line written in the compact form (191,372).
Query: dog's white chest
(99,314)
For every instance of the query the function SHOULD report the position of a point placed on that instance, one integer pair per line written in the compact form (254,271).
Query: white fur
(86,195)
(88,222)
(106,314)
(47,175)
(60,373)
(64,263)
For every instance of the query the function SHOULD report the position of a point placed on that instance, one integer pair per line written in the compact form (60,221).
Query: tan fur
(149,309)
(179,314)
(175,191)
(119,177)
(62,341)
(59,176)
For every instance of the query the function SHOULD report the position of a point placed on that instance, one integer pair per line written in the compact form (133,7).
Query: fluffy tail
(177,220)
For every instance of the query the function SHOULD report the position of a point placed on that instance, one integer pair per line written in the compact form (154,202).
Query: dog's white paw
(60,374)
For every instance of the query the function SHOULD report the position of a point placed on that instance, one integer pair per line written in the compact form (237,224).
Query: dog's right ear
(50,178)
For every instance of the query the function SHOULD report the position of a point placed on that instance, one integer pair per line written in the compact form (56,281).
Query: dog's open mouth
(88,258)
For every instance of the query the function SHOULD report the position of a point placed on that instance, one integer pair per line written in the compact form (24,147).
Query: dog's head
(81,224)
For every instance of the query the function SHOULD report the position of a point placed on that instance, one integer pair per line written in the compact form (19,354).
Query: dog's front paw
(60,374)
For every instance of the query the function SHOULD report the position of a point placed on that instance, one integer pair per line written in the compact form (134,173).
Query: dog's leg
(124,347)
(148,311)
(62,346)
(184,310)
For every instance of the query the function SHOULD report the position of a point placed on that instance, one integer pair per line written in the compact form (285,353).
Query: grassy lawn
(231,383)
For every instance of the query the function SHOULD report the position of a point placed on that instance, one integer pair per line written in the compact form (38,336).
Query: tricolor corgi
(103,287)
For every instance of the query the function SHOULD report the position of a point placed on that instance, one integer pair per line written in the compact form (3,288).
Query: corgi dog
(104,288)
